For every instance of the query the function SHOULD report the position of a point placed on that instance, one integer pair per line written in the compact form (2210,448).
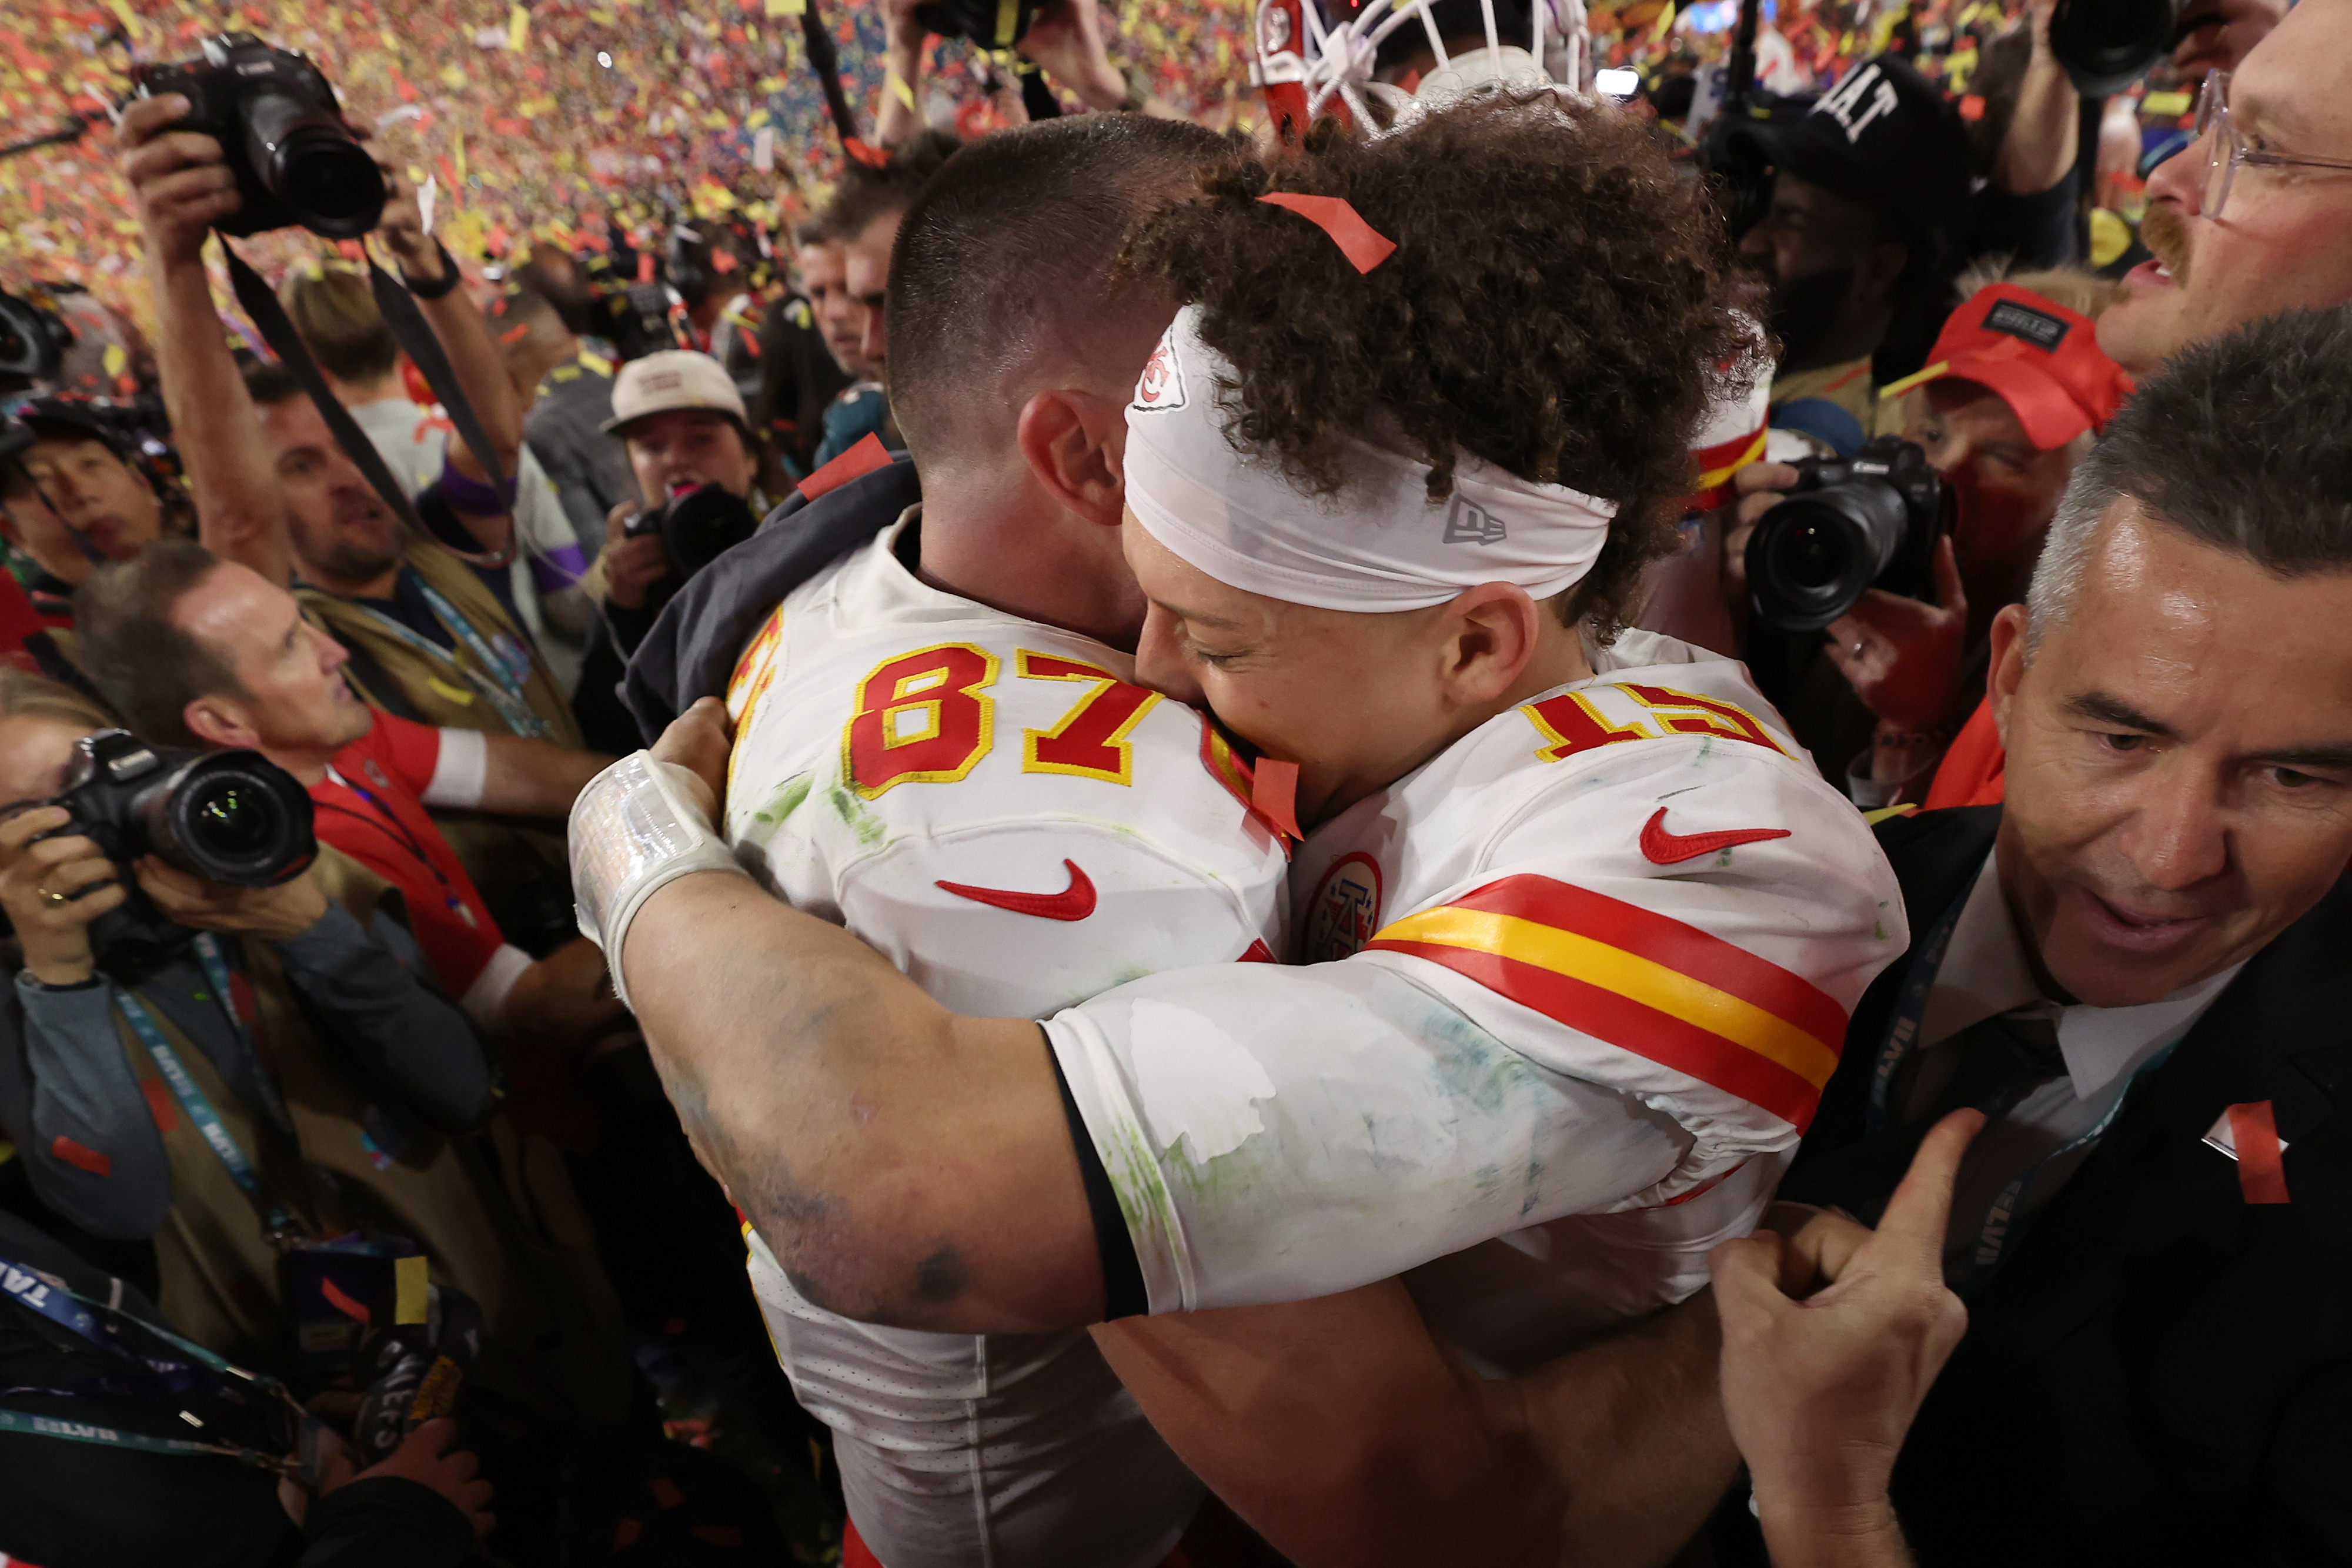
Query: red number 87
(922,716)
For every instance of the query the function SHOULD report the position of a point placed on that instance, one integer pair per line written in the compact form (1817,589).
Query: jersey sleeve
(407,750)
(1640,991)
(1021,918)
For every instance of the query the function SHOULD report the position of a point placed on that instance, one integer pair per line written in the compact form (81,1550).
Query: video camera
(230,817)
(282,133)
(1848,526)
(699,523)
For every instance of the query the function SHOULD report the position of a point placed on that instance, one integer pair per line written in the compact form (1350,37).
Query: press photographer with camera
(277,490)
(1868,589)
(206,1046)
(1063,38)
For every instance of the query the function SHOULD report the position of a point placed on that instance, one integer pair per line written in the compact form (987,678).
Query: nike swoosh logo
(1660,847)
(1076,903)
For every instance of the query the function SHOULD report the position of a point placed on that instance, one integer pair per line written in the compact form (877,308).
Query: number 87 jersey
(988,801)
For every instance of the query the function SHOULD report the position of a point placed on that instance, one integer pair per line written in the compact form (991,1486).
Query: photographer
(2015,388)
(1064,40)
(275,491)
(244,1074)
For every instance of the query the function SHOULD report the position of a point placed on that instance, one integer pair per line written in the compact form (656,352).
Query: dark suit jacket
(2161,1372)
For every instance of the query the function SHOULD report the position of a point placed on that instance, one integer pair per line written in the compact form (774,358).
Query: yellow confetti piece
(115,358)
(452,76)
(900,90)
(596,363)
(787,7)
(410,1278)
(518,27)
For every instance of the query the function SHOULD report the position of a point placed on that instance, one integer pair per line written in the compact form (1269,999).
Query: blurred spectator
(863,217)
(79,495)
(2133,968)
(567,391)
(799,377)
(1859,242)
(337,316)
(2026,139)
(264,1076)
(2015,388)
(62,1500)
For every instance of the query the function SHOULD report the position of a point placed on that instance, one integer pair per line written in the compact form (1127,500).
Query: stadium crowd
(1588,805)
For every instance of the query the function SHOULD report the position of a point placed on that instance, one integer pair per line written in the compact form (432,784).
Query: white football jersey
(988,802)
(1591,963)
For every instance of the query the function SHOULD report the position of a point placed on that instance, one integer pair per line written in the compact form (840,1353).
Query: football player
(1582,925)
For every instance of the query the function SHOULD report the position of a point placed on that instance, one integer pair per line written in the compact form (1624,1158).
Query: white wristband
(635,828)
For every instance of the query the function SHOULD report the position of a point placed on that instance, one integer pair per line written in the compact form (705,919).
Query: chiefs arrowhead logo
(1162,387)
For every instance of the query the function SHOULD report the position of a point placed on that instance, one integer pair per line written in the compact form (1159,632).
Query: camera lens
(2107,45)
(232,820)
(232,817)
(330,180)
(1812,556)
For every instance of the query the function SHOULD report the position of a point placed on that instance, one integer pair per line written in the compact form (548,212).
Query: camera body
(281,132)
(1847,525)
(699,524)
(233,817)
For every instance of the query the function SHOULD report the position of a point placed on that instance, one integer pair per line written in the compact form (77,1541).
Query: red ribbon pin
(2261,1172)
(1364,246)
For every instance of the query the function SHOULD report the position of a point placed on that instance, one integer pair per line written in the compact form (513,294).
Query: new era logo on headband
(1161,386)
(1468,525)
(2043,330)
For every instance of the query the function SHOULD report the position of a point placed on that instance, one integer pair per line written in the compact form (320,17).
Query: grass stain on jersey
(871,830)
(781,803)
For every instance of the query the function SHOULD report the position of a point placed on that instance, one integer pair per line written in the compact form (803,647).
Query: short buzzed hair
(141,659)
(867,193)
(2244,443)
(1013,249)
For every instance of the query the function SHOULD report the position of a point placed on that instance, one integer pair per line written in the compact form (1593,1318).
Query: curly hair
(1556,299)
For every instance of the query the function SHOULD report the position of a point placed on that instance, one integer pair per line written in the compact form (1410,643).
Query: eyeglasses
(2227,147)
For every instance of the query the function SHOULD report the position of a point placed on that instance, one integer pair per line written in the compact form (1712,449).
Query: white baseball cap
(674,379)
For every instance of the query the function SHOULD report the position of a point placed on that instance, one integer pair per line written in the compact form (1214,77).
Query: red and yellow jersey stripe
(1642,981)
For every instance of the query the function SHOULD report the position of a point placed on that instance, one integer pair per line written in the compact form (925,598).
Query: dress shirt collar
(1985,971)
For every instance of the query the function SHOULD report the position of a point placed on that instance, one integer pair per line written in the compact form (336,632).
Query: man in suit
(2137,968)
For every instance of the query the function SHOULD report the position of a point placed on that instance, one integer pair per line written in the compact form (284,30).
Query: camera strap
(415,335)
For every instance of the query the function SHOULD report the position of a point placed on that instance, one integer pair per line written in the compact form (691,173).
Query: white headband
(1382,545)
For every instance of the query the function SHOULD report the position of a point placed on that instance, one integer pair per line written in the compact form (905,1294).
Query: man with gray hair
(2134,968)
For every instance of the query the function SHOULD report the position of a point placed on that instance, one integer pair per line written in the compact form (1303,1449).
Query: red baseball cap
(2041,359)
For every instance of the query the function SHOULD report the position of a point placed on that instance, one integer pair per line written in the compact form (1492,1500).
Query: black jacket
(2161,1372)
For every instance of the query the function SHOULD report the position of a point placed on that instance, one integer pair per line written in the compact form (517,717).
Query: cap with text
(2041,359)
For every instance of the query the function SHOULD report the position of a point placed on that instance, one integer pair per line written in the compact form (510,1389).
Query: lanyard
(184,1088)
(392,827)
(498,676)
(54,1300)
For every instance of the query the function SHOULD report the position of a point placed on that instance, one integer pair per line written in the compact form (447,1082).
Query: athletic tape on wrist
(635,829)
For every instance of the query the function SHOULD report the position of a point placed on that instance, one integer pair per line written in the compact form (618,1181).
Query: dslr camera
(33,343)
(699,524)
(1847,525)
(233,817)
(282,133)
(2107,45)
